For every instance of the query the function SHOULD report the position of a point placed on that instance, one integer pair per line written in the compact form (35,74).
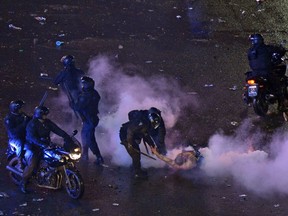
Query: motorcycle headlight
(76,154)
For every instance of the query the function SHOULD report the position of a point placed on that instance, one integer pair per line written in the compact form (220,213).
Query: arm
(57,130)
(162,157)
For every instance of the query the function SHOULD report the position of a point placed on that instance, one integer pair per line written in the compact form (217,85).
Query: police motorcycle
(257,91)
(56,168)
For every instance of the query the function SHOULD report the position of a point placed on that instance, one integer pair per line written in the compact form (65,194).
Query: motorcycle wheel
(15,178)
(76,188)
(260,106)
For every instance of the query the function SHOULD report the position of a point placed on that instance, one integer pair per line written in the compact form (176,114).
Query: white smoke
(257,170)
(122,92)
(226,155)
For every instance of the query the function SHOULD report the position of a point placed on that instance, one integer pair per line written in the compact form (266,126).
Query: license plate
(252,91)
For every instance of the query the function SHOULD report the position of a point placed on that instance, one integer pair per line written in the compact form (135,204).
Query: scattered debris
(24,204)
(234,123)
(53,88)
(11,26)
(37,200)
(221,20)
(40,18)
(234,88)
(208,85)
(243,196)
(4,195)
(59,43)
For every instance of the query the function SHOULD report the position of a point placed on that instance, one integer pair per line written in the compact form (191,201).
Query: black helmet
(87,82)
(40,111)
(256,39)
(68,60)
(154,119)
(154,110)
(16,105)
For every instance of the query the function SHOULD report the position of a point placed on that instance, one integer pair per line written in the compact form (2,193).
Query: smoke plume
(257,170)
(122,92)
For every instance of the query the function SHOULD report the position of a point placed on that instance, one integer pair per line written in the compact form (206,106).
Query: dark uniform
(69,78)
(38,137)
(87,106)
(146,125)
(15,123)
(261,62)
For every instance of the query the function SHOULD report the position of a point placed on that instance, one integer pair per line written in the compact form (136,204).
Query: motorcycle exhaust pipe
(14,170)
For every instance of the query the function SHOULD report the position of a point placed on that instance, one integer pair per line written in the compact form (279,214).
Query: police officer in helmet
(262,62)
(87,106)
(69,78)
(146,125)
(15,123)
(38,137)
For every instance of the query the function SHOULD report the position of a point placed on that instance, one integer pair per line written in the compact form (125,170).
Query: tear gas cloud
(234,156)
(122,93)
(225,155)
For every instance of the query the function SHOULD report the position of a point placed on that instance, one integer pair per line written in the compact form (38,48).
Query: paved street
(187,58)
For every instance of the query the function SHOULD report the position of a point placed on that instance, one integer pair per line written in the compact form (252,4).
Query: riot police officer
(146,125)
(15,123)
(262,61)
(38,137)
(69,78)
(87,106)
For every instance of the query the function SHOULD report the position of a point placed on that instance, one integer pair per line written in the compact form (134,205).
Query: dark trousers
(136,157)
(89,139)
(32,158)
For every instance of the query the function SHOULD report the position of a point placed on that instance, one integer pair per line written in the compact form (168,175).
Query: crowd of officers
(32,133)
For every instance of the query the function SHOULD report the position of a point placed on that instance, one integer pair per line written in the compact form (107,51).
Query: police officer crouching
(146,125)
(87,106)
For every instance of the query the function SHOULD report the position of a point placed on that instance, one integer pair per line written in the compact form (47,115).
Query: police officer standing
(38,137)
(87,106)
(261,62)
(69,78)
(15,123)
(142,125)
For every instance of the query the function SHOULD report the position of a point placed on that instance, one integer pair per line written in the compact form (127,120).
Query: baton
(136,150)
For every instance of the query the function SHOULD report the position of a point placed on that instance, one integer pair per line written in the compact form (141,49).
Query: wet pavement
(196,48)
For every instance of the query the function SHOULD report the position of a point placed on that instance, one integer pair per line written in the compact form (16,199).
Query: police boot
(140,174)
(99,160)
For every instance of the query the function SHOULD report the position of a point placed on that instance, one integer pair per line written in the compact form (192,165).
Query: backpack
(135,114)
